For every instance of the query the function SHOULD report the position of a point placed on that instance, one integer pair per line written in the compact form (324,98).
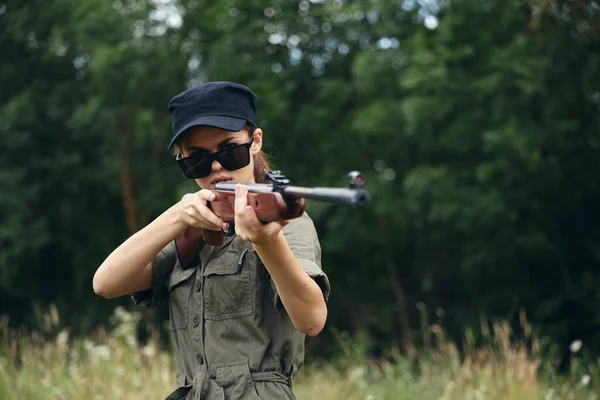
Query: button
(199,358)
(196,321)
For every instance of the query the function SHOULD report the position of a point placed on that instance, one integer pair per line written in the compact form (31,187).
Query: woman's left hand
(247,224)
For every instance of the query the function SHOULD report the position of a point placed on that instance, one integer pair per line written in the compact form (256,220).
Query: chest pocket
(228,287)
(180,287)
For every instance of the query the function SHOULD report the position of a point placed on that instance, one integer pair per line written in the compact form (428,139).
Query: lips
(218,179)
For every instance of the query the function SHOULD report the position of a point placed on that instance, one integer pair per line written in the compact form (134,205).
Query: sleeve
(162,266)
(302,238)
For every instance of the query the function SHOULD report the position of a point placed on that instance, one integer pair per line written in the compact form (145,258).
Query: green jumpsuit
(232,336)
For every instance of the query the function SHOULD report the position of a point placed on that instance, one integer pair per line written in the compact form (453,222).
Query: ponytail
(261,163)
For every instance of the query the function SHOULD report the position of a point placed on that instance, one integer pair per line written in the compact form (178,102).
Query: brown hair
(261,161)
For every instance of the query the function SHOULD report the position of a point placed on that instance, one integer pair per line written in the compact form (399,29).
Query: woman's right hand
(193,211)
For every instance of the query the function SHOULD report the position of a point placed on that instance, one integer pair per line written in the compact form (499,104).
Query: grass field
(115,366)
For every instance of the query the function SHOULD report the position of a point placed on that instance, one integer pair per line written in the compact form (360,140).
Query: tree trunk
(126,177)
(157,148)
(400,295)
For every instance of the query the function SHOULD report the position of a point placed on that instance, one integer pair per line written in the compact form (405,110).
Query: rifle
(275,201)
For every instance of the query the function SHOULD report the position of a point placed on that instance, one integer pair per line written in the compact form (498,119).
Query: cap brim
(230,124)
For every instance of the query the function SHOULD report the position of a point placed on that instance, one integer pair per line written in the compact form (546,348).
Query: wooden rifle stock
(276,201)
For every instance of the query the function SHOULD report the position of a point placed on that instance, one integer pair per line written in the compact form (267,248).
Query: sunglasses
(230,158)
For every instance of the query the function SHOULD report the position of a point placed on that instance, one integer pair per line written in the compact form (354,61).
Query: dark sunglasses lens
(235,158)
(195,167)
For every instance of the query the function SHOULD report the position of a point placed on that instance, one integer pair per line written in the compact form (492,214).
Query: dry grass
(115,365)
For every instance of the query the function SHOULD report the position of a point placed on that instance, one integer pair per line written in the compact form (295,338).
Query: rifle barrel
(252,187)
(343,196)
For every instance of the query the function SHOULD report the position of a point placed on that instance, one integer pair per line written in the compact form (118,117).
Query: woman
(239,315)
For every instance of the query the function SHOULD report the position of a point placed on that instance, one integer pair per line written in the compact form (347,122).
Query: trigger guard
(230,231)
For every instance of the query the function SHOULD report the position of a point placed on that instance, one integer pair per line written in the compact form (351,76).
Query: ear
(177,151)
(257,142)
(179,146)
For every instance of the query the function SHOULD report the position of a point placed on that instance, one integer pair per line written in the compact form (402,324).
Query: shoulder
(302,225)
(168,255)
(301,236)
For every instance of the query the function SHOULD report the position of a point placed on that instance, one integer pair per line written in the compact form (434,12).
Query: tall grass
(114,365)
(108,366)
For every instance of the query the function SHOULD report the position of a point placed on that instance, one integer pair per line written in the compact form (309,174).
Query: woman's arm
(301,296)
(128,268)
(299,293)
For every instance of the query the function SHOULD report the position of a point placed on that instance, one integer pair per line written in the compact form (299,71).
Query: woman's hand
(247,224)
(194,211)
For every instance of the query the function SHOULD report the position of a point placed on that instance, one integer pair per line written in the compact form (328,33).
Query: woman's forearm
(299,293)
(128,268)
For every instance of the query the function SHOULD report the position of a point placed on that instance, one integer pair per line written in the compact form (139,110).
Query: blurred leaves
(476,124)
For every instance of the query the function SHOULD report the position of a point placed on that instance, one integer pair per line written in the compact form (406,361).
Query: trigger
(230,231)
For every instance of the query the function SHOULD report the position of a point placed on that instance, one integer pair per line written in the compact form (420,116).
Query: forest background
(475,122)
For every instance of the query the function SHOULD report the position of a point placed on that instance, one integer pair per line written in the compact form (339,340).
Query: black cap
(224,105)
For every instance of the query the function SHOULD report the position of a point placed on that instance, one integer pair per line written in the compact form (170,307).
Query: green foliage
(476,124)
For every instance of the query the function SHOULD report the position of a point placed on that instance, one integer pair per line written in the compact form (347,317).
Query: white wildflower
(62,339)
(88,345)
(165,376)
(121,314)
(481,393)
(131,340)
(149,351)
(102,352)
(356,373)
(549,394)
(585,380)
(576,346)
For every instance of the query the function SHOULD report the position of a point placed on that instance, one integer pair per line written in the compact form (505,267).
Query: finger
(192,219)
(241,199)
(187,196)
(205,213)
(207,195)
(251,217)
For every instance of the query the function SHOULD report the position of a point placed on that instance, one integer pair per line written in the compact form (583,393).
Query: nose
(216,166)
